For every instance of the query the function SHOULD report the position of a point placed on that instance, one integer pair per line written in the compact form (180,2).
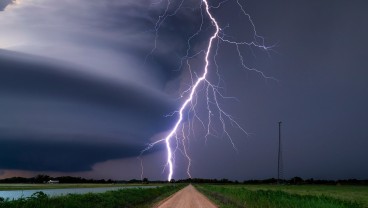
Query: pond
(17,194)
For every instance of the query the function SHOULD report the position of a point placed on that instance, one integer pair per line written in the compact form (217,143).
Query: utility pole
(279,158)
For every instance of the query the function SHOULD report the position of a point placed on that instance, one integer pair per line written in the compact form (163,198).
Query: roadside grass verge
(240,196)
(357,193)
(124,198)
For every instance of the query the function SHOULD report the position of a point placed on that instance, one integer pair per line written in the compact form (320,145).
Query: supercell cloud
(4,4)
(74,86)
(78,92)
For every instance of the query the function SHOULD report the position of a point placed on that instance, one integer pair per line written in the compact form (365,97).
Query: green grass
(271,196)
(8,187)
(345,192)
(124,198)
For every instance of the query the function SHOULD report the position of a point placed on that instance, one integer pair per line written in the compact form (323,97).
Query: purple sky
(79,95)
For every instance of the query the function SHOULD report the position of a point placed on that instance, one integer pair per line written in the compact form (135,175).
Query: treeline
(46,178)
(75,180)
(292,181)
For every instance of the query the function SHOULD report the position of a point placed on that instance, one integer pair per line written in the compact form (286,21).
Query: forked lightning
(211,90)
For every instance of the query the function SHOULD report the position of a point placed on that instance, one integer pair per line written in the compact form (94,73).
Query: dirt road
(188,197)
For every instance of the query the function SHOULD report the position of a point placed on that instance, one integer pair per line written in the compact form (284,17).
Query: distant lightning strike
(210,89)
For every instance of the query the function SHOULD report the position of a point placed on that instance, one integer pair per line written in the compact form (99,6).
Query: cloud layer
(4,4)
(84,94)
(41,104)
(75,75)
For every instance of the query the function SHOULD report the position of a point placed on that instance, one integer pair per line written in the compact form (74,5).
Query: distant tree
(297,180)
(309,181)
(134,181)
(172,181)
(224,180)
(41,178)
(145,181)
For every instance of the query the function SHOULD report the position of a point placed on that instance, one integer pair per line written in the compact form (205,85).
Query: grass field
(301,196)
(127,198)
(344,192)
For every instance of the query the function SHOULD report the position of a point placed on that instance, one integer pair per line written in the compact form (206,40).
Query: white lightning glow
(190,98)
(212,91)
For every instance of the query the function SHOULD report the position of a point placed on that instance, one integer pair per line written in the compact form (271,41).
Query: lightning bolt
(212,91)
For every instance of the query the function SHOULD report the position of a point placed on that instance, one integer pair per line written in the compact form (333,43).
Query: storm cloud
(41,104)
(42,154)
(76,80)
(111,39)
(81,72)
(82,87)
(4,4)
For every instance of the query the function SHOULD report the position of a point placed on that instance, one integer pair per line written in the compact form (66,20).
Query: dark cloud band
(5,3)
(43,155)
(113,121)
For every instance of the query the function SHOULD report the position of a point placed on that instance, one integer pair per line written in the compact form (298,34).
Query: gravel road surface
(188,197)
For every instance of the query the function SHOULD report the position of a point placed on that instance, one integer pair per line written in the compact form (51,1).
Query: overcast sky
(82,92)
